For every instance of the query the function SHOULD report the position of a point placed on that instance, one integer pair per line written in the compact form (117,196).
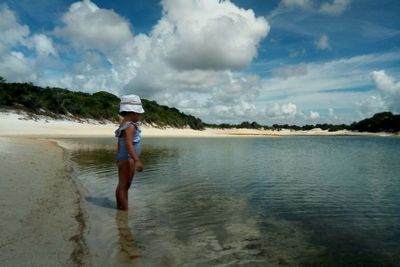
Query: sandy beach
(20,124)
(14,124)
(40,205)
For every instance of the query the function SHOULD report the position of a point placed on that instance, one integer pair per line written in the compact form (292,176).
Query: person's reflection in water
(127,248)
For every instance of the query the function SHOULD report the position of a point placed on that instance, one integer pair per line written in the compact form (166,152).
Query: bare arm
(130,132)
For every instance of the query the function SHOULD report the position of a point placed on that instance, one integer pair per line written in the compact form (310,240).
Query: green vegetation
(243,125)
(57,102)
(380,122)
(325,126)
(166,116)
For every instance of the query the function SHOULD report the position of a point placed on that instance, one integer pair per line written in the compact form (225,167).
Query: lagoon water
(291,201)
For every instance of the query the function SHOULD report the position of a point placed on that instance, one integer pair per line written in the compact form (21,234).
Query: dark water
(295,201)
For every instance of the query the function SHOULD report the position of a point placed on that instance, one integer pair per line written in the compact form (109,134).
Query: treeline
(166,116)
(243,125)
(57,102)
(278,127)
(380,122)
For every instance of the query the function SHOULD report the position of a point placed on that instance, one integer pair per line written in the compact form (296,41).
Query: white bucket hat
(131,103)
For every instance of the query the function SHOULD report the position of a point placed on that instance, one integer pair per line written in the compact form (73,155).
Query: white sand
(39,205)
(13,124)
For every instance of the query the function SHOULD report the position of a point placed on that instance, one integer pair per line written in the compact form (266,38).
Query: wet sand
(41,220)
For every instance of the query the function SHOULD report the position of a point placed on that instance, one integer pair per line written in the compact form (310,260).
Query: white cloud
(12,33)
(288,112)
(283,111)
(209,34)
(333,8)
(110,54)
(190,49)
(371,105)
(337,74)
(191,52)
(14,66)
(314,115)
(88,26)
(323,43)
(388,88)
(297,3)
(233,89)
(339,84)
(180,63)
(23,56)
(241,111)
(43,45)
(287,72)
(337,7)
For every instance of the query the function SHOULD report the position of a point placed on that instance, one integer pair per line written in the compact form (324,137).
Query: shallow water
(293,201)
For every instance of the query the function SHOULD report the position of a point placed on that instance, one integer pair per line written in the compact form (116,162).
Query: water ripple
(249,202)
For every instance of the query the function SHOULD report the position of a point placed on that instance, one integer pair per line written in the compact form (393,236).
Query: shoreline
(13,124)
(49,225)
(80,254)
(41,203)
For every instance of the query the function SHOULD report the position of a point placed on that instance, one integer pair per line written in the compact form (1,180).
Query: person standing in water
(128,147)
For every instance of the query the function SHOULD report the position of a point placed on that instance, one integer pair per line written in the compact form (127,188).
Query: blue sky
(280,61)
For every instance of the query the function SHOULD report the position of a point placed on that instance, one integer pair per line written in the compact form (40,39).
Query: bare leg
(126,171)
(128,249)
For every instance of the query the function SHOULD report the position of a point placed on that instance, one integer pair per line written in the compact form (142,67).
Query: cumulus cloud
(388,88)
(43,45)
(237,88)
(12,33)
(209,34)
(109,53)
(192,51)
(232,99)
(314,115)
(388,98)
(88,26)
(371,105)
(283,111)
(241,111)
(14,65)
(323,43)
(186,60)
